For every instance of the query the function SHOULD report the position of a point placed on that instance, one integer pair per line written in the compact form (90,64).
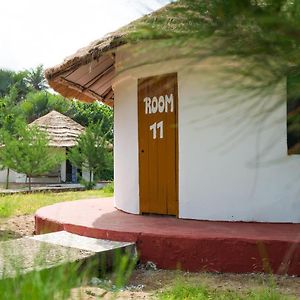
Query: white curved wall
(126,170)
(233,162)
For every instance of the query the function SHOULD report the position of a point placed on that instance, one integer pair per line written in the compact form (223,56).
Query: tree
(9,126)
(6,80)
(28,152)
(9,118)
(259,40)
(266,32)
(36,80)
(92,151)
(87,113)
(13,85)
(38,104)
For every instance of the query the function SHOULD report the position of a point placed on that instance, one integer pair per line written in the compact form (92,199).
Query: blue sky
(44,32)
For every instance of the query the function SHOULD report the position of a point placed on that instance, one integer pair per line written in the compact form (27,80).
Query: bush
(109,188)
(106,174)
(89,185)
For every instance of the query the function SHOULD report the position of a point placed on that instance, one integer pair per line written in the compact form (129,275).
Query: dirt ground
(145,283)
(16,227)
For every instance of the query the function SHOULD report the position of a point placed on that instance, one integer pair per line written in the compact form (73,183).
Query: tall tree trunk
(7,178)
(90,176)
(29,183)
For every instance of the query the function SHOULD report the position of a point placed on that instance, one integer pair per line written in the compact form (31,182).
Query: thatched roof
(87,75)
(62,130)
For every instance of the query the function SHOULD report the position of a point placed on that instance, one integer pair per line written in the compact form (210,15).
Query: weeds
(6,209)
(201,292)
(109,188)
(58,275)
(89,185)
(123,268)
(47,284)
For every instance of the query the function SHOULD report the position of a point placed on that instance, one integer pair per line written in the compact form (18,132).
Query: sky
(34,32)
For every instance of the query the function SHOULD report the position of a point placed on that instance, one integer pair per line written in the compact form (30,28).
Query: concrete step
(54,249)
(67,239)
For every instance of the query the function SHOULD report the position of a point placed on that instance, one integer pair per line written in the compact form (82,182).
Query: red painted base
(186,244)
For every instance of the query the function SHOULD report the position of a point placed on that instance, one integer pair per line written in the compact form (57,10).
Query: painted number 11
(154,127)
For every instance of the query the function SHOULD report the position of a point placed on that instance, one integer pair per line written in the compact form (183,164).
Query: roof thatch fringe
(87,54)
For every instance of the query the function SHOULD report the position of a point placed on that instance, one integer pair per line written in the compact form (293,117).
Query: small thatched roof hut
(62,130)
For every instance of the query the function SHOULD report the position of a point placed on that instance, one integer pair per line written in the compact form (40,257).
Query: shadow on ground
(6,235)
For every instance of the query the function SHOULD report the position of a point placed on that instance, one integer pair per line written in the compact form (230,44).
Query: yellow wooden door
(158,144)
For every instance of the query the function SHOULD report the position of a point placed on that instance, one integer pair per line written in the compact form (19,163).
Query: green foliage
(9,79)
(87,113)
(258,41)
(6,209)
(92,151)
(200,292)
(13,85)
(107,172)
(109,188)
(63,281)
(28,152)
(89,185)
(8,114)
(48,284)
(124,265)
(10,123)
(293,118)
(35,79)
(24,95)
(38,104)
(261,38)
(19,89)
(6,80)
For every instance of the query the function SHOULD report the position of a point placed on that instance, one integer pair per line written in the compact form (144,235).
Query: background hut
(63,133)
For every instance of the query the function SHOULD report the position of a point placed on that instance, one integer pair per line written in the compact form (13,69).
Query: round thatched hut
(184,146)
(63,133)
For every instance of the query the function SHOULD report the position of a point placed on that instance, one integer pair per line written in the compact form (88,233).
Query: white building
(185,145)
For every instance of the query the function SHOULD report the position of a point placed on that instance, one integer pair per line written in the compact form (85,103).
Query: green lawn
(25,204)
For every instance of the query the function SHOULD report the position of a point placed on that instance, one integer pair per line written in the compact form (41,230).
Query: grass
(25,204)
(62,281)
(109,188)
(193,292)
(48,284)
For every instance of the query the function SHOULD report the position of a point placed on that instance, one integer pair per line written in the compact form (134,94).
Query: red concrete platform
(176,243)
